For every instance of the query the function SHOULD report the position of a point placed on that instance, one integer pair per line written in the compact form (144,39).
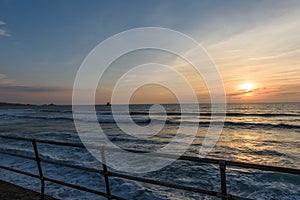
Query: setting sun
(246,87)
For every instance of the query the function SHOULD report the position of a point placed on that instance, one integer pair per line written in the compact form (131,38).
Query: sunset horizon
(150,100)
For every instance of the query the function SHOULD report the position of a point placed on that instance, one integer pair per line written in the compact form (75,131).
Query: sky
(254,44)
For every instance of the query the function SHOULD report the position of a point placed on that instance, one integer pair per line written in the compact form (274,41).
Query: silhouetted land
(15,104)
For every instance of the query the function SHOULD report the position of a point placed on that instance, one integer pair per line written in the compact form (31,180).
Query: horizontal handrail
(263,167)
(17,155)
(20,172)
(164,155)
(222,163)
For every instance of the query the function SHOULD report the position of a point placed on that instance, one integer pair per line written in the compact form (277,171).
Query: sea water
(265,133)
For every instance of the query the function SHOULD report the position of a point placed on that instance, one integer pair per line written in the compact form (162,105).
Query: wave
(46,117)
(55,111)
(228,124)
(138,121)
(231,114)
(239,124)
(82,112)
(112,121)
(262,125)
(263,114)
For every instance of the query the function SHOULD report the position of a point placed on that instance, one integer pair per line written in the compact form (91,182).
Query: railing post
(222,164)
(105,173)
(38,162)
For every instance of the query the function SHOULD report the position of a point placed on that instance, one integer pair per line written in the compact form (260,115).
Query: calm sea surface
(266,134)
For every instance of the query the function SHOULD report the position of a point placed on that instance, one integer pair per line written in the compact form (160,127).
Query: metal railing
(222,194)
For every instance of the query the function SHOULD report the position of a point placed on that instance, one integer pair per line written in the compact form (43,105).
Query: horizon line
(104,104)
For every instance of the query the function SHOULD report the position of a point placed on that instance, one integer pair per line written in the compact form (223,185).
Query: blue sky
(42,43)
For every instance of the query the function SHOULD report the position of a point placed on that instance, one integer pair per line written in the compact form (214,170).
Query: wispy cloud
(265,55)
(10,85)
(15,91)
(5,81)
(3,32)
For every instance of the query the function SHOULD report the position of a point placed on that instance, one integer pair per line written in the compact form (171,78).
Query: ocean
(260,133)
